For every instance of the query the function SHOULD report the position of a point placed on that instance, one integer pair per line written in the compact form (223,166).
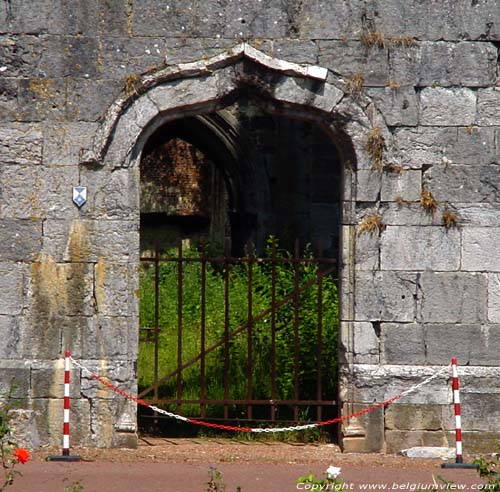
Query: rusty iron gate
(266,353)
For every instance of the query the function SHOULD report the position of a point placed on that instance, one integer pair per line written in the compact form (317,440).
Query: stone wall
(414,292)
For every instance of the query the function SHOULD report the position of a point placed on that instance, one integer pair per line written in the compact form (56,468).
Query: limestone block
(62,142)
(20,240)
(368,185)
(396,440)
(298,91)
(293,50)
(452,297)
(447,107)
(42,99)
(402,343)
(409,214)
(8,99)
(114,17)
(47,379)
(401,416)
(420,248)
(48,418)
(479,246)
(456,183)
(372,426)
(85,240)
(21,144)
(112,194)
(69,56)
(176,50)
(11,338)
(474,146)
(22,189)
(367,252)
(120,373)
(479,214)
(351,58)
(369,384)
(472,344)
(366,343)
(88,100)
(456,64)
(406,184)
(442,20)
(488,107)
(112,290)
(480,441)
(480,412)
(20,55)
(415,147)
(149,18)
(399,107)
(385,296)
(12,288)
(494,298)
(15,378)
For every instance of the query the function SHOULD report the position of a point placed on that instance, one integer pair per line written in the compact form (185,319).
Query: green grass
(238,346)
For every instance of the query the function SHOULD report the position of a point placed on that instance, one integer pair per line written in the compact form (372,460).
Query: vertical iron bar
(203,388)
(179,323)
(319,375)
(296,322)
(157,325)
(226,325)
(250,329)
(273,330)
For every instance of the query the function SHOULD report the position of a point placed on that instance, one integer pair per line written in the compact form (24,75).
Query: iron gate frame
(326,267)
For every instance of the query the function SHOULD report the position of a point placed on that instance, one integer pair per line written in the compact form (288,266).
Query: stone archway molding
(156,95)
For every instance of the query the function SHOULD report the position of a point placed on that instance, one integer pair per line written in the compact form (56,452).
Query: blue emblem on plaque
(79,195)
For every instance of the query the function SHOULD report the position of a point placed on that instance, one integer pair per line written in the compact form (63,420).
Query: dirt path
(182,465)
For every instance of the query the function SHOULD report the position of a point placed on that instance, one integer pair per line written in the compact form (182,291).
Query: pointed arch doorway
(282,89)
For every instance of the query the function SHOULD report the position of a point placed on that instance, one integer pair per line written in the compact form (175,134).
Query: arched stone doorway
(197,89)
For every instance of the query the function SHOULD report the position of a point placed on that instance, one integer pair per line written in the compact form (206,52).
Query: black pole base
(470,466)
(64,458)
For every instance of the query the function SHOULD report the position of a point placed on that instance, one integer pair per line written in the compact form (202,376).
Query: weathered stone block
(488,107)
(114,17)
(11,338)
(452,297)
(480,412)
(15,378)
(371,424)
(293,50)
(479,246)
(12,288)
(112,289)
(399,107)
(402,343)
(406,185)
(464,184)
(401,416)
(368,185)
(409,214)
(494,298)
(385,296)
(418,146)
(21,144)
(367,252)
(69,56)
(20,56)
(47,379)
(366,343)
(42,99)
(438,248)
(20,240)
(447,107)
(8,99)
(479,214)
(88,100)
(471,344)
(82,240)
(396,440)
(352,58)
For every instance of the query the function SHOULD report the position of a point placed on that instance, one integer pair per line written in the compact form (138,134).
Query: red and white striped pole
(455,386)
(67,378)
